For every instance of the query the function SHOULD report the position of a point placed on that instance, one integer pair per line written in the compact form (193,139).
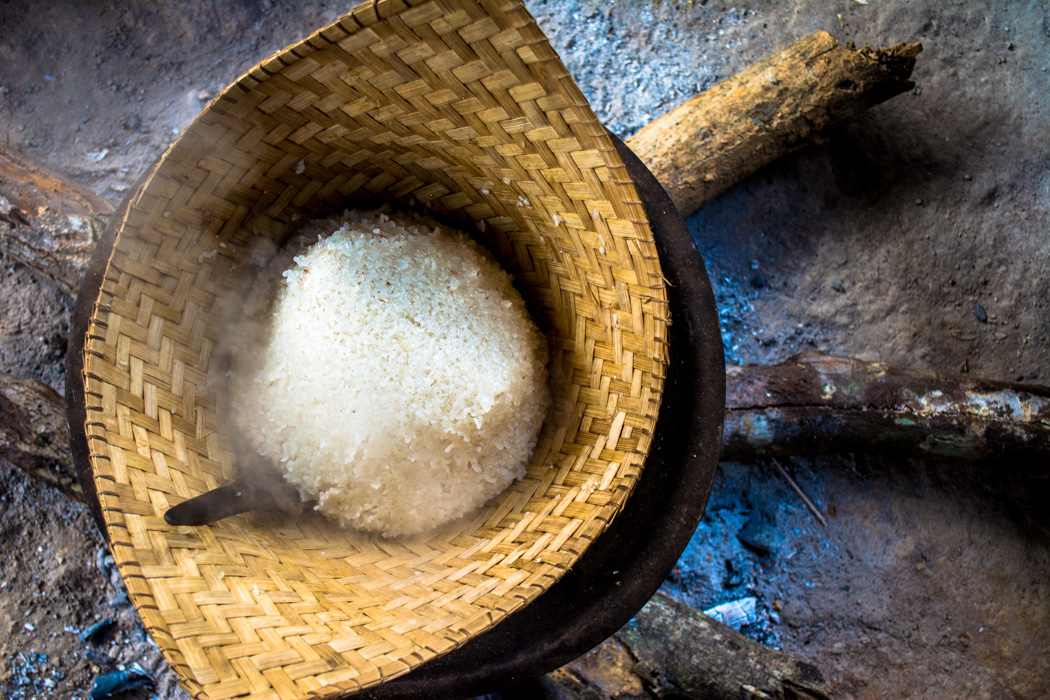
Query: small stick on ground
(801,494)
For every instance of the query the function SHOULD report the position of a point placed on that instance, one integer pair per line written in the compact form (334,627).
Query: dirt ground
(917,234)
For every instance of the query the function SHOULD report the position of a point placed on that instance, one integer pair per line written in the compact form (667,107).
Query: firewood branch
(816,404)
(672,650)
(776,106)
(33,433)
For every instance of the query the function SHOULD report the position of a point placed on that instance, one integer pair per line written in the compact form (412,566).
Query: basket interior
(459,108)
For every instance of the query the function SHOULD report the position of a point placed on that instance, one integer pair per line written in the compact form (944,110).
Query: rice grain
(400,380)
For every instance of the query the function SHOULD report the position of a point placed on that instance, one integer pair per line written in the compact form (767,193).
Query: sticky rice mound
(399,379)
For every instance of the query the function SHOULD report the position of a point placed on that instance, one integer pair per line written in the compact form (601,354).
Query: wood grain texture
(817,404)
(778,105)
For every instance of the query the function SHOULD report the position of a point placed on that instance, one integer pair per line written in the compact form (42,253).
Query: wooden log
(672,650)
(47,222)
(33,433)
(772,108)
(818,404)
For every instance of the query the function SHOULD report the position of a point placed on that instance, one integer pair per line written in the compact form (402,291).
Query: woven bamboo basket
(460,106)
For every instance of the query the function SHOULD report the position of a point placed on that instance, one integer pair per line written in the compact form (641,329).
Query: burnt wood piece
(818,404)
(47,222)
(776,106)
(33,433)
(671,650)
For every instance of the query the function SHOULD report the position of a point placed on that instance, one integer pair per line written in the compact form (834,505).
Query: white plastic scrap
(735,613)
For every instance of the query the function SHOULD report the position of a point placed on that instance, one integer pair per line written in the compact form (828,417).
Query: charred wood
(33,433)
(818,404)
(671,650)
(47,222)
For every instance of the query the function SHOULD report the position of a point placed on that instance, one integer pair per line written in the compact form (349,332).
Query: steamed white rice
(400,381)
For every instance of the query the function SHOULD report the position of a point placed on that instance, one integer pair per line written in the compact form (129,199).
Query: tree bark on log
(47,223)
(768,110)
(818,404)
(672,650)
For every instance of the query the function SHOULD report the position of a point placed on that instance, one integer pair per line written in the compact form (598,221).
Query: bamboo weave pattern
(460,107)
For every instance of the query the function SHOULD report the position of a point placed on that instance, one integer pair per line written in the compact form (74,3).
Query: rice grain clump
(401,382)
